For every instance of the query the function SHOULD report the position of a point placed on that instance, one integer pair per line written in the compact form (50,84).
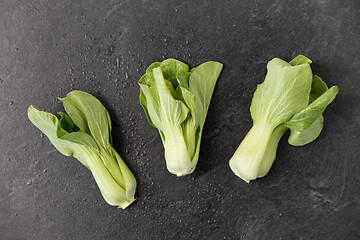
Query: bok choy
(84,133)
(176,101)
(289,98)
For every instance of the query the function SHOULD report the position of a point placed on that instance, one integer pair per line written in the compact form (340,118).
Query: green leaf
(305,118)
(147,80)
(172,111)
(308,135)
(150,101)
(50,126)
(318,87)
(183,78)
(89,115)
(301,59)
(67,123)
(284,92)
(201,84)
(150,69)
(171,68)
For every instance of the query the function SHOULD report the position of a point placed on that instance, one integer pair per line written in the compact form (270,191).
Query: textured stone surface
(48,48)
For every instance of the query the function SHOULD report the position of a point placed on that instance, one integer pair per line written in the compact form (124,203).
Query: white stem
(245,163)
(177,156)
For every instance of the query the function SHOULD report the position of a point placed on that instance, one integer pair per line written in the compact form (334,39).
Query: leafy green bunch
(84,133)
(176,101)
(289,98)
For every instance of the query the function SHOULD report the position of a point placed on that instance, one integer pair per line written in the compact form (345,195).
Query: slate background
(48,48)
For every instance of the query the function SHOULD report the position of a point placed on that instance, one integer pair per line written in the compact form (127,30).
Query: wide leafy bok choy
(289,98)
(176,102)
(84,133)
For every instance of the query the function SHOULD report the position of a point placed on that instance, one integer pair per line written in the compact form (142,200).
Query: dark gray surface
(48,48)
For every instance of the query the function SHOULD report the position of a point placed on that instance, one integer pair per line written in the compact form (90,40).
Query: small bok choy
(176,101)
(289,98)
(84,133)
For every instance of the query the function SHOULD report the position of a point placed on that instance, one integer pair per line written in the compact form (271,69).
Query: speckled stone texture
(48,48)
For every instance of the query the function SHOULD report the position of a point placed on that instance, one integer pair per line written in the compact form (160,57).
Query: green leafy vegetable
(176,101)
(84,133)
(289,98)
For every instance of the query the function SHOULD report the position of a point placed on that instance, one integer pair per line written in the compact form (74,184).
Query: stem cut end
(125,204)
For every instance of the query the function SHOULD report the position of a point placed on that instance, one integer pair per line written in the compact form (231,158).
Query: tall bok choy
(289,98)
(176,101)
(84,133)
